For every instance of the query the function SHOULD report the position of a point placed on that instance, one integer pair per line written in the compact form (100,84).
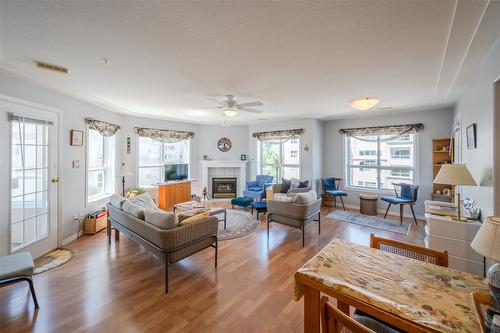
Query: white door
(33,179)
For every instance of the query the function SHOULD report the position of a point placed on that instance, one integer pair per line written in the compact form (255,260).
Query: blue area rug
(370,221)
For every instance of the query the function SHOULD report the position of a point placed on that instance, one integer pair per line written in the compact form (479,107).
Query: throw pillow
(285,185)
(305,198)
(294,183)
(133,209)
(117,201)
(195,218)
(144,200)
(303,184)
(160,218)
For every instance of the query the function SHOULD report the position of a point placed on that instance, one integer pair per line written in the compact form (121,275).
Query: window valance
(164,135)
(373,133)
(282,136)
(105,128)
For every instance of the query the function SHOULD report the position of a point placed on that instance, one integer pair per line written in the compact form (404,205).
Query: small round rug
(53,259)
(238,223)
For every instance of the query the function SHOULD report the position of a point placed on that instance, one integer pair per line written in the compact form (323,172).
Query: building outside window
(100,165)
(154,155)
(286,153)
(377,163)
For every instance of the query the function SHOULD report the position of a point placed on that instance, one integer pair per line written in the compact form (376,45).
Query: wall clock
(224,144)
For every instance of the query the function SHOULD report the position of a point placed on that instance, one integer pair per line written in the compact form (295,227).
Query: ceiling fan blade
(251,110)
(250,104)
(216,101)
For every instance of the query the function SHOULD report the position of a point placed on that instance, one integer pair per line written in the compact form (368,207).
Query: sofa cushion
(306,198)
(133,209)
(117,200)
(285,185)
(283,197)
(195,218)
(144,200)
(255,188)
(160,218)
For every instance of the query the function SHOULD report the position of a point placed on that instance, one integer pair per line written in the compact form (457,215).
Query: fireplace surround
(224,187)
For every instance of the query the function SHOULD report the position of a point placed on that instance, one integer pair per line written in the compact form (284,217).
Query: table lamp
(455,174)
(122,172)
(487,243)
(277,166)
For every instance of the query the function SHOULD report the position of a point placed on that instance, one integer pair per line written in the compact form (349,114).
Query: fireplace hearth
(224,187)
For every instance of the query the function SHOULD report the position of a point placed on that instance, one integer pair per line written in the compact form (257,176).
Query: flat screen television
(176,171)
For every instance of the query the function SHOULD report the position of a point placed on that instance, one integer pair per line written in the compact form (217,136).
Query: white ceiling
(301,59)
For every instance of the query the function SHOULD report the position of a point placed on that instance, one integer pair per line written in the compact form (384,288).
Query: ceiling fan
(231,106)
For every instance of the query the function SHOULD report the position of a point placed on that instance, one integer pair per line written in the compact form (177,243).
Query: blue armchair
(331,186)
(256,189)
(408,196)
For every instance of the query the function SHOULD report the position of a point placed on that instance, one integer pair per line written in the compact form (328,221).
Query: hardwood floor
(119,288)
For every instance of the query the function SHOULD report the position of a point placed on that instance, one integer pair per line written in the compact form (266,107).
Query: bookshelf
(442,152)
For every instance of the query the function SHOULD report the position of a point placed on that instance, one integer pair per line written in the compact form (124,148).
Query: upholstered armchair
(256,189)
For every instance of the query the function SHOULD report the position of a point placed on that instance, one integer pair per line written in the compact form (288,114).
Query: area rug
(370,221)
(238,223)
(53,259)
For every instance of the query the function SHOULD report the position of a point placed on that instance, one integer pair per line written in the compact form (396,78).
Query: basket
(93,225)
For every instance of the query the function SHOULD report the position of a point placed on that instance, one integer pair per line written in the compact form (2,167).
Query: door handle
(55,180)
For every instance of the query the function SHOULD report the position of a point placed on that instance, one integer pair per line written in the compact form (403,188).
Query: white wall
(310,168)
(438,124)
(476,105)
(210,134)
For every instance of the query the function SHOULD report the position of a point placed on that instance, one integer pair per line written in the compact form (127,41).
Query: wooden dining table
(411,295)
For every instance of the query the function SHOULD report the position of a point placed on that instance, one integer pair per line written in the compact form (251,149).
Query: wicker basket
(91,225)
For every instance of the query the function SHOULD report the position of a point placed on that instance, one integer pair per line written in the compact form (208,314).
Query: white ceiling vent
(51,67)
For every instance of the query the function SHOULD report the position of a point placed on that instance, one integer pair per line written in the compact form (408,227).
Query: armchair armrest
(252,183)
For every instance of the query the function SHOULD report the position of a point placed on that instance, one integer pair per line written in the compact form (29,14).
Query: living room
(316,112)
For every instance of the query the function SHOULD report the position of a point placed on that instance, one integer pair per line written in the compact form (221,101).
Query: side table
(368,204)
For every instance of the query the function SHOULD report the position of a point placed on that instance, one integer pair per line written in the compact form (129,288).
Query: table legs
(311,310)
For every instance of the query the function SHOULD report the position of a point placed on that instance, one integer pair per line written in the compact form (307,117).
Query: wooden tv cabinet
(172,193)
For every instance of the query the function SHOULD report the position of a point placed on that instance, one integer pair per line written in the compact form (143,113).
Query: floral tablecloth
(433,296)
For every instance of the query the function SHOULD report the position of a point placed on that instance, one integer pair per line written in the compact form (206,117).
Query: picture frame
(471,136)
(76,138)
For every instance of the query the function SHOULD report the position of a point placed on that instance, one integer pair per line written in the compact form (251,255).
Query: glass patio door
(33,179)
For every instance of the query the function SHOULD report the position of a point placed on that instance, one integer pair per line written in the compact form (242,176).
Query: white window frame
(163,162)
(261,159)
(109,156)
(379,168)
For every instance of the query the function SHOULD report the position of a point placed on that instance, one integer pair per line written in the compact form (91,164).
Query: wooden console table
(172,193)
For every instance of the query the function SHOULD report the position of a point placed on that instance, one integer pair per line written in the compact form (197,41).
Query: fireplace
(224,187)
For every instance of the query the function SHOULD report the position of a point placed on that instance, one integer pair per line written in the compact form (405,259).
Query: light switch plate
(76,164)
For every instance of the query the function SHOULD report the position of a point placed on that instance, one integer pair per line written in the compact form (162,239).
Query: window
(286,153)
(377,163)
(100,165)
(402,153)
(154,155)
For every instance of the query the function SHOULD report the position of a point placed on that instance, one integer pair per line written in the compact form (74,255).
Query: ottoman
(259,206)
(242,202)
(368,204)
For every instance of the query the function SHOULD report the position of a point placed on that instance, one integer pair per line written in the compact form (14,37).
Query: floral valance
(106,129)
(282,136)
(388,132)
(164,135)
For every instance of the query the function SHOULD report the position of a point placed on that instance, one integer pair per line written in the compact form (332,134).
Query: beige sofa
(173,242)
(296,211)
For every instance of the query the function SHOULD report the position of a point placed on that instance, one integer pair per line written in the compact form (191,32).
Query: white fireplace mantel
(205,165)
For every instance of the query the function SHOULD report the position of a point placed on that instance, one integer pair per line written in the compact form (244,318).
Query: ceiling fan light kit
(230,112)
(364,103)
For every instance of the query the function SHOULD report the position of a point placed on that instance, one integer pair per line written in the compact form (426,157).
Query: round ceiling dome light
(230,111)
(364,103)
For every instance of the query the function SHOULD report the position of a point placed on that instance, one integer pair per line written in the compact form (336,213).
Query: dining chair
(407,196)
(410,250)
(331,186)
(334,321)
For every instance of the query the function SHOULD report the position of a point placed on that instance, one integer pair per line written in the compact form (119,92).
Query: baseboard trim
(72,238)
(382,211)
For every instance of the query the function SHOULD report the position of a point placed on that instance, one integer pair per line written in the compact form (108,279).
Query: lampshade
(123,171)
(487,240)
(277,164)
(454,174)
(364,103)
